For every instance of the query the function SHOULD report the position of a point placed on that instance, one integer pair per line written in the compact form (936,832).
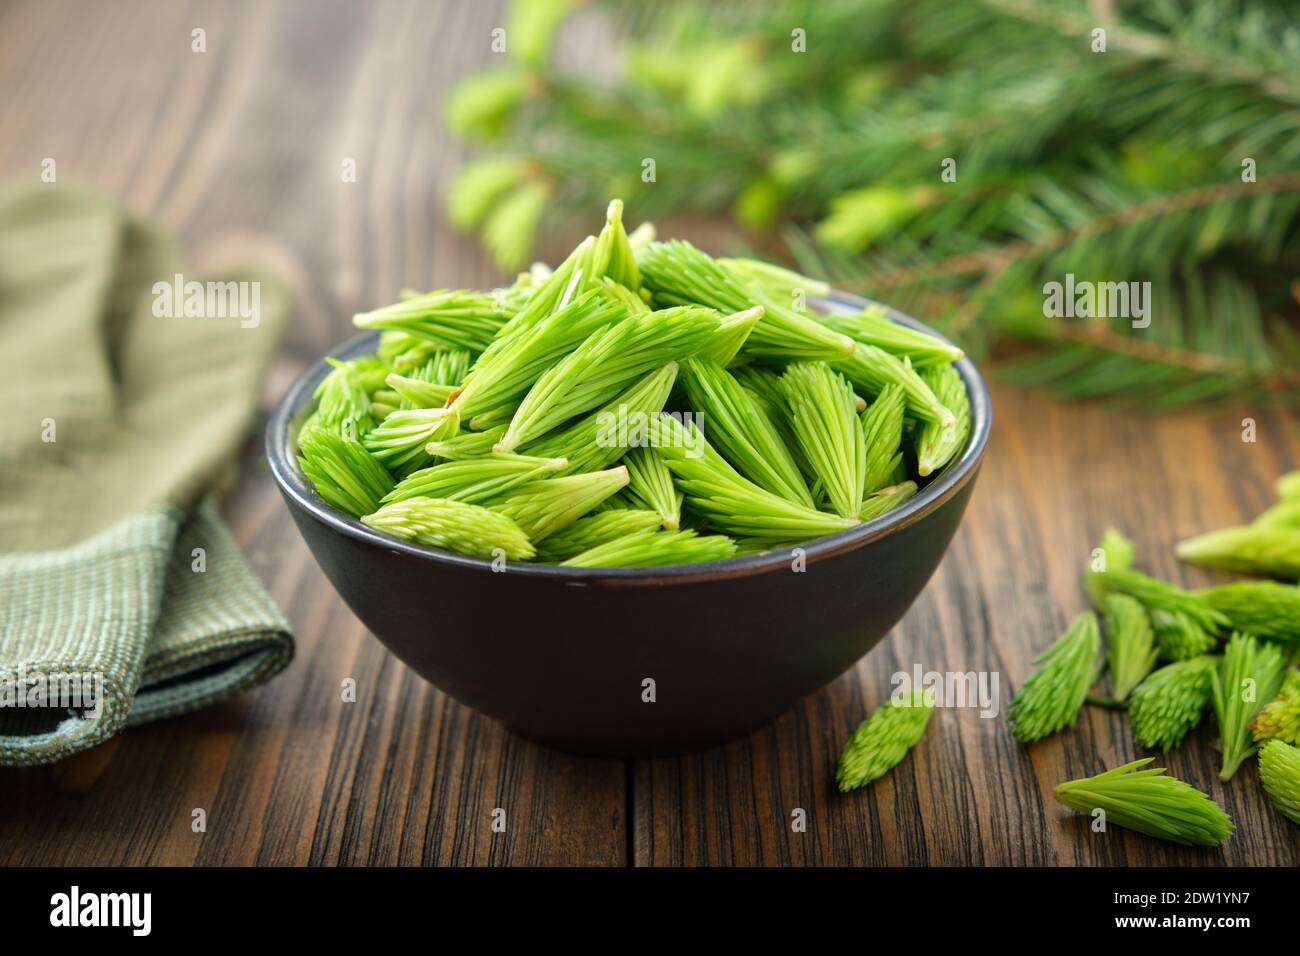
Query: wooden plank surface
(239,150)
(1054,478)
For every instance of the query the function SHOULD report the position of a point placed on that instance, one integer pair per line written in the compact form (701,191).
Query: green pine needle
(445,367)
(343,402)
(1131,650)
(1280,718)
(1249,676)
(1050,700)
(449,319)
(1115,553)
(613,256)
(873,326)
(882,432)
(606,363)
(600,438)
(1279,771)
(467,445)
(823,414)
(343,472)
(650,486)
(506,373)
(543,507)
(870,369)
(1267,549)
(1170,703)
(1264,608)
(882,741)
(741,429)
(399,441)
(1148,801)
(455,525)
(552,293)
(1178,637)
(636,305)
(655,548)
(596,529)
(416,393)
(886,500)
(732,333)
(1269,545)
(679,274)
(1113,574)
(474,481)
(938,443)
(775,281)
(763,383)
(403,352)
(729,501)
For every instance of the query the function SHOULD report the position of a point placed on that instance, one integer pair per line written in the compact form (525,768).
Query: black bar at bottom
(212,906)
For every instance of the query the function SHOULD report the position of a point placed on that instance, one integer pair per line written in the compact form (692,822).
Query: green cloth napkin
(117,424)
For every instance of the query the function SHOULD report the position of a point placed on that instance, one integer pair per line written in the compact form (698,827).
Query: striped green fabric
(123,598)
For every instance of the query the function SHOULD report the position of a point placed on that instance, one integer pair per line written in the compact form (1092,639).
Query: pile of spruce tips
(1171,657)
(642,404)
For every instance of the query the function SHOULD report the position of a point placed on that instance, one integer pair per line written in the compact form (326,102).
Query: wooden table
(239,150)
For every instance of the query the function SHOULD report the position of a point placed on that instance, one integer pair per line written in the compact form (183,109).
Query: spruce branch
(1151,192)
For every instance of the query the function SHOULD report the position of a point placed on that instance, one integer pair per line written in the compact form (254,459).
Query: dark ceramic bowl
(564,655)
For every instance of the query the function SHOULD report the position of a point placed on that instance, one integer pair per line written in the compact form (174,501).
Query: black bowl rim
(950,480)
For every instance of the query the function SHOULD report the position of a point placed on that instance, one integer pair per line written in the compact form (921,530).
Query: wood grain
(238,151)
(1055,476)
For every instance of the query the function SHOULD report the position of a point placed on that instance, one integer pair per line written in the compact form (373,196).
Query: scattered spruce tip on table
(1279,772)
(1145,799)
(1280,718)
(641,404)
(1229,650)
(884,739)
(1267,546)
